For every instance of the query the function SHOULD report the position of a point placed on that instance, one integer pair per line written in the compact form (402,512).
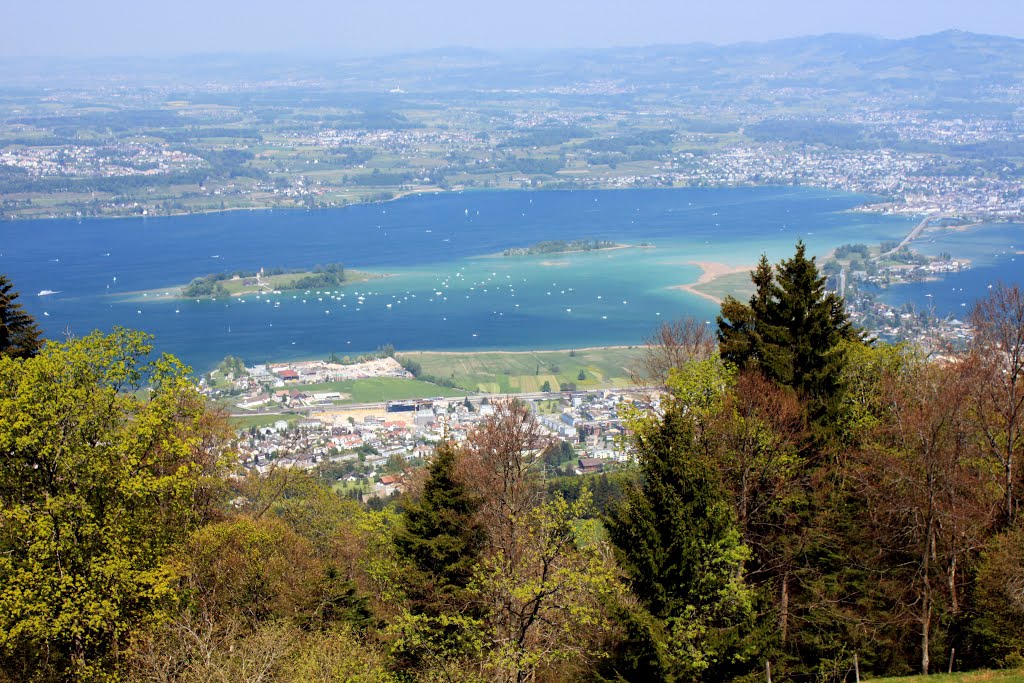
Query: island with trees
(563,247)
(263,281)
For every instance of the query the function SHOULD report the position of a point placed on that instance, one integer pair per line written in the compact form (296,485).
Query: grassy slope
(514,372)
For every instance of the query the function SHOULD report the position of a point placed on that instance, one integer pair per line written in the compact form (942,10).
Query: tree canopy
(95,486)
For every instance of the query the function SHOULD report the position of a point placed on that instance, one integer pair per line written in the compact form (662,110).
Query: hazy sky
(322,27)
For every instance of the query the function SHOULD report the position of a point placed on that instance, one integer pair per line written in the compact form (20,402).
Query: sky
(94,28)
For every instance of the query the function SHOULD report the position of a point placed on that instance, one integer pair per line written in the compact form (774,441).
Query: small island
(263,281)
(563,247)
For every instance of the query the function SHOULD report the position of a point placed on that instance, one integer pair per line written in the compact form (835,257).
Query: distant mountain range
(946,64)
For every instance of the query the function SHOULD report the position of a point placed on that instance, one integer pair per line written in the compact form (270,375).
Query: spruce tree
(678,543)
(792,330)
(441,536)
(19,335)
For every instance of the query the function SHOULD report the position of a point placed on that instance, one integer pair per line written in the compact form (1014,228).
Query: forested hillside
(800,496)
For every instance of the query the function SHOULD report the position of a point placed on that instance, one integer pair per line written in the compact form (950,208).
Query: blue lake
(443,292)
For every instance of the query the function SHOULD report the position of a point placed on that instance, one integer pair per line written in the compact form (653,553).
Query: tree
(534,606)
(546,387)
(671,346)
(678,543)
(792,330)
(96,487)
(19,334)
(441,534)
(996,359)
(541,588)
(930,496)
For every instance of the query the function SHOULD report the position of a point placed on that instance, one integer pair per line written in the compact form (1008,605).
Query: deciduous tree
(97,485)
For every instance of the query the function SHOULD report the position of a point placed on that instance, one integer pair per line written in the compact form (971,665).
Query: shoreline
(889,207)
(710,271)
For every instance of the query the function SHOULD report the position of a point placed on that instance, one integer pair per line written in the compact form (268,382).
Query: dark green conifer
(678,543)
(792,330)
(441,536)
(19,334)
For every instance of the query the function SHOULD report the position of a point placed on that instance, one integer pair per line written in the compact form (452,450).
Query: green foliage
(233,365)
(441,536)
(323,277)
(848,251)
(19,335)
(995,632)
(96,486)
(791,330)
(545,595)
(678,543)
(559,247)
(206,287)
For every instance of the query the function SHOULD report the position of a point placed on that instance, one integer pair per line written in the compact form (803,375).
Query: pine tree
(678,543)
(19,335)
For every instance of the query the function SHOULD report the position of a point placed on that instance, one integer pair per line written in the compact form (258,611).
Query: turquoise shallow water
(442,293)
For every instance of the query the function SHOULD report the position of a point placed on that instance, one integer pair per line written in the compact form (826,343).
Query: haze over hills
(944,64)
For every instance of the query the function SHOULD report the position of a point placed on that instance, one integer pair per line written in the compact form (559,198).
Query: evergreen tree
(441,536)
(792,330)
(19,335)
(678,543)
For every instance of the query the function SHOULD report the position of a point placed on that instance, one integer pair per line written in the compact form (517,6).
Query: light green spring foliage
(546,598)
(867,367)
(96,485)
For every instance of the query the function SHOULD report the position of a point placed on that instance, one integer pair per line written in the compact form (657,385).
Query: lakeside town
(367,450)
(300,136)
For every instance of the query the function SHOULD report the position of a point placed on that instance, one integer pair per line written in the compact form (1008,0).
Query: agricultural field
(379,389)
(509,372)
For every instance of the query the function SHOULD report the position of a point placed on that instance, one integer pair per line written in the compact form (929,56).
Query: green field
(264,420)
(504,372)
(344,488)
(983,676)
(378,389)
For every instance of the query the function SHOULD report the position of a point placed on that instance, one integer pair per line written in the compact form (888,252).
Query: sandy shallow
(710,270)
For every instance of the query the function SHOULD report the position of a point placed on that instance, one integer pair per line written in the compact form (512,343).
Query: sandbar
(710,271)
